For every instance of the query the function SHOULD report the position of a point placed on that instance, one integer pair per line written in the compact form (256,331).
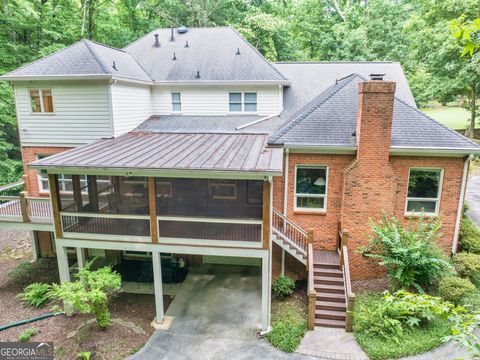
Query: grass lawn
(454,117)
(413,341)
(289,321)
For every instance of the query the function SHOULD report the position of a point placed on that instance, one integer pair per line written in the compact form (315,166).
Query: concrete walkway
(473,198)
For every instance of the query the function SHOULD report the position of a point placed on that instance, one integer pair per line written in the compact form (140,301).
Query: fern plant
(410,254)
(36,294)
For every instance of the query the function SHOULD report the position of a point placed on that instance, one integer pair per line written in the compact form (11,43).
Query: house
(189,144)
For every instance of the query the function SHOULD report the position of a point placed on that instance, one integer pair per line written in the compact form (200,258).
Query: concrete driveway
(215,313)
(473,198)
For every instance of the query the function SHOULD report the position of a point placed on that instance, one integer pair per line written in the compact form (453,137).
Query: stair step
(330,323)
(324,288)
(317,266)
(331,297)
(328,272)
(331,305)
(328,280)
(330,314)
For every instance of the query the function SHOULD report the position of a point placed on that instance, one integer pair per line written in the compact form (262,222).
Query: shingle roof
(81,59)
(330,120)
(211,51)
(174,152)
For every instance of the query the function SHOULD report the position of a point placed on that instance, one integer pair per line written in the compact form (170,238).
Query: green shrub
(89,294)
(27,334)
(287,331)
(469,236)
(455,289)
(411,255)
(283,286)
(468,265)
(84,355)
(35,294)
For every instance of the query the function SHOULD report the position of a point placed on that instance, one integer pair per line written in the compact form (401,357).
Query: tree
(90,293)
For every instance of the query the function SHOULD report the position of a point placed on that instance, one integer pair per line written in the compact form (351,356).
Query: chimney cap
(376,76)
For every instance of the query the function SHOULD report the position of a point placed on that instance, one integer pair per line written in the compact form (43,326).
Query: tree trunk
(473,107)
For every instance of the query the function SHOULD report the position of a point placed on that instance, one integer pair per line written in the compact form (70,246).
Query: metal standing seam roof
(174,151)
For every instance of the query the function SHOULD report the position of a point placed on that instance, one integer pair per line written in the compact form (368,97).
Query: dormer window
(242,102)
(176,101)
(41,100)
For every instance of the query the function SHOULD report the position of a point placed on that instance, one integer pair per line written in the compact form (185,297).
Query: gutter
(432,151)
(461,200)
(256,121)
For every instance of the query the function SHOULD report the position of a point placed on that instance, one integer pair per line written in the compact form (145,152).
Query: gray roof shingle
(330,120)
(211,51)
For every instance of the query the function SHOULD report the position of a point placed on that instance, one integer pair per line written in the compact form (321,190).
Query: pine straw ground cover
(117,342)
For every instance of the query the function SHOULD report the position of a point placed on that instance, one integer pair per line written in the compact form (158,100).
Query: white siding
(131,104)
(81,113)
(213,100)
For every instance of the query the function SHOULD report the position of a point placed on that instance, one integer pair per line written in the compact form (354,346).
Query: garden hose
(22,322)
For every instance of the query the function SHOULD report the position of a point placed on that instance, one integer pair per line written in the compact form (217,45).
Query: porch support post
(266,294)
(152,205)
(157,281)
(62,259)
(92,193)
(54,198)
(81,259)
(77,191)
(267,211)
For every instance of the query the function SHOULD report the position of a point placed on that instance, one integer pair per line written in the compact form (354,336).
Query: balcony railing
(25,209)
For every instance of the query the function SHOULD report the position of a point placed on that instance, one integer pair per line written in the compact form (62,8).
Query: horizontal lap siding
(82,114)
(131,105)
(213,100)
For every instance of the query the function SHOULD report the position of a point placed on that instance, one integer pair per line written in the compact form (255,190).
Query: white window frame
(176,102)
(233,185)
(437,199)
(325,196)
(242,102)
(42,107)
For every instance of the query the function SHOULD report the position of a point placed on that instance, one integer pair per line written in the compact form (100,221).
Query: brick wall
(29,155)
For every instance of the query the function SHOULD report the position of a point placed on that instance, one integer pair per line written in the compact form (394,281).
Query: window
(423,195)
(164,189)
(176,101)
(254,192)
(64,181)
(238,102)
(222,189)
(41,101)
(311,187)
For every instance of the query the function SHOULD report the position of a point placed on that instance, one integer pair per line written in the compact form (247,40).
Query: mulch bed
(117,342)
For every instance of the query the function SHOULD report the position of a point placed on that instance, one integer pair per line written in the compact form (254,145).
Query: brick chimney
(374,119)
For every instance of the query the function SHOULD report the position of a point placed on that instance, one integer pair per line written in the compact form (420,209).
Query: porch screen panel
(105,226)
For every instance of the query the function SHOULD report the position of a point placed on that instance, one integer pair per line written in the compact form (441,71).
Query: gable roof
(82,59)
(211,51)
(330,120)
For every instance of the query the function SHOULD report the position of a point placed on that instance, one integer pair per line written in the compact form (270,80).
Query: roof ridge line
(300,115)
(106,45)
(269,63)
(100,62)
(438,123)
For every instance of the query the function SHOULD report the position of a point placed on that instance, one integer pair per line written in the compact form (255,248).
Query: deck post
(24,207)
(157,281)
(267,211)
(81,258)
(26,186)
(77,191)
(64,272)
(266,294)
(152,205)
(92,193)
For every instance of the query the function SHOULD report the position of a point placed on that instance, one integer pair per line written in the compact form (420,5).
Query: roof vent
(186,44)
(182,30)
(376,76)
(172,38)
(238,51)
(198,75)
(114,66)
(174,57)
(157,42)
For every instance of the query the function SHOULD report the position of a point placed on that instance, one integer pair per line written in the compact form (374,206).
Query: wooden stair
(330,306)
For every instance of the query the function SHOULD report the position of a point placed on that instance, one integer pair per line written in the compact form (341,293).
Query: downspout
(460,205)
(285,205)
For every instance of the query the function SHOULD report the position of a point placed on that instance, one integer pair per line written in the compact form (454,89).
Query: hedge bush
(456,289)
(283,286)
(468,265)
(469,236)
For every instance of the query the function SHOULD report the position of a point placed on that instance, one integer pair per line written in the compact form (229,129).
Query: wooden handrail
(296,226)
(349,294)
(12,185)
(312,294)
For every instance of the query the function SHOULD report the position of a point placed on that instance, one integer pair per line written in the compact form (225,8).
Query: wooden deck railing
(289,231)
(25,209)
(349,294)
(312,294)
